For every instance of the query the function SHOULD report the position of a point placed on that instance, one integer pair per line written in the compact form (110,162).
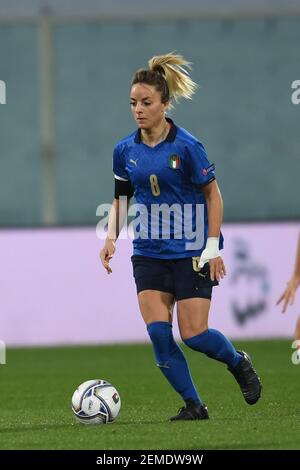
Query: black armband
(123,188)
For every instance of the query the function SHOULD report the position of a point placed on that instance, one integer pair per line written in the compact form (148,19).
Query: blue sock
(214,344)
(171,361)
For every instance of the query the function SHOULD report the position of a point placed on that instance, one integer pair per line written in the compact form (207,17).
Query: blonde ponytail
(173,68)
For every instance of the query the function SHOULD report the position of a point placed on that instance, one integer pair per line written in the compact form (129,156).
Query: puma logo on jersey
(133,161)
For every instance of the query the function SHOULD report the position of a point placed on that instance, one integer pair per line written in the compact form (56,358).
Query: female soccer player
(288,296)
(176,254)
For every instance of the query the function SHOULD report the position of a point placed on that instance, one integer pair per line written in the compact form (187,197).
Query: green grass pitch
(37,385)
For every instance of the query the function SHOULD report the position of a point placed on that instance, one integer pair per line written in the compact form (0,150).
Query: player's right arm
(288,296)
(119,208)
(117,216)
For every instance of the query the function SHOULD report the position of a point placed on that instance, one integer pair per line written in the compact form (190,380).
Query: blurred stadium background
(67,68)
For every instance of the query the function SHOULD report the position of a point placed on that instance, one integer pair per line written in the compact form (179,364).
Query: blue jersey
(171,212)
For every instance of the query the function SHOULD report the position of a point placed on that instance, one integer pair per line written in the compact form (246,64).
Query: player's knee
(159,331)
(190,332)
(197,341)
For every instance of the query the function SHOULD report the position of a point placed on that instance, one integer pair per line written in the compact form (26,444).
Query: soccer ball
(96,402)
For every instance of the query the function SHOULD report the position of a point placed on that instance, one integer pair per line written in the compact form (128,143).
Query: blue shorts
(180,277)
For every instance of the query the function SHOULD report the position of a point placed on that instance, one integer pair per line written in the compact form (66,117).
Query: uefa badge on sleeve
(205,171)
(174,162)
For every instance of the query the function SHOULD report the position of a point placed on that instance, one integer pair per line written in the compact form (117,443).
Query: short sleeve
(200,171)
(119,164)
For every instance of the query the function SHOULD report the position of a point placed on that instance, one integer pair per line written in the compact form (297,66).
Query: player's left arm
(211,252)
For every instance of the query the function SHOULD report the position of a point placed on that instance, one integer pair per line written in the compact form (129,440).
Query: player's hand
(288,296)
(217,269)
(211,255)
(107,253)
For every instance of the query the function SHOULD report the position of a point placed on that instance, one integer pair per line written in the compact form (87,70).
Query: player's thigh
(156,306)
(192,315)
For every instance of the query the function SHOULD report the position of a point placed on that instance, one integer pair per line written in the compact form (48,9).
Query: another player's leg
(156,308)
(193,325)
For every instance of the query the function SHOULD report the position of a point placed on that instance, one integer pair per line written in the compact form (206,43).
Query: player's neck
(155,135)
